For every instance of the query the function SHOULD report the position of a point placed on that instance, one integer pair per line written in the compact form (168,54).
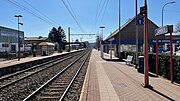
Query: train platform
(115,81)
(8,63)
(11,66)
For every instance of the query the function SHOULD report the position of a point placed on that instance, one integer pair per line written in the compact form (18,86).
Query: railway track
(56,88)
(15,77)
(26,81)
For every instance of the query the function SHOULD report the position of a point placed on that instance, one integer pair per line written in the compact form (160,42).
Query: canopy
(46,44)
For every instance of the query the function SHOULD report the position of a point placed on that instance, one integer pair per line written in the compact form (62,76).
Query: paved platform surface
(7,63)
(115,81)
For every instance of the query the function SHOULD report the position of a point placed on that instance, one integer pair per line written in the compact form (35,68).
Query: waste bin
(140,67)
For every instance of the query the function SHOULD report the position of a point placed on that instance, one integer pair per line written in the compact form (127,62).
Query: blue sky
(85,11)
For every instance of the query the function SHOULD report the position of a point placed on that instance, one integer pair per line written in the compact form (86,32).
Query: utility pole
(69,39)
(136,34)
(102,27)
(120,50)
(18,16)
(146,75)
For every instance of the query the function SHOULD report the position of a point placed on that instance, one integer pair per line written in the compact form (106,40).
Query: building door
(13,48)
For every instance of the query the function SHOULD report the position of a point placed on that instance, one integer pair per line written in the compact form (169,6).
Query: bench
(129,59)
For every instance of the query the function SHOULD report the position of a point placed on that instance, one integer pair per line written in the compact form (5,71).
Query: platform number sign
(140,21)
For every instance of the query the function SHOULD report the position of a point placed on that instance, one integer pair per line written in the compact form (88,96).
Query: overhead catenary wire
(98,6)
(101,8)
(40,12)
(21,7)
(71,9)
(73,16)
(104,11)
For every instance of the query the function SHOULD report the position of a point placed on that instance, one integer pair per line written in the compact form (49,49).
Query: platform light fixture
(18,16)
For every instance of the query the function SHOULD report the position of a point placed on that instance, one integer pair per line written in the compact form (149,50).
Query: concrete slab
(116,81)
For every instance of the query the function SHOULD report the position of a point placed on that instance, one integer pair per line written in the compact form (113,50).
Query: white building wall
(10,37)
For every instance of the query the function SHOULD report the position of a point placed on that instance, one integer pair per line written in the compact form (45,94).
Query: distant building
(92,45)
(175,40)
(9,41)
(38,45)
(46,48)
(128,37)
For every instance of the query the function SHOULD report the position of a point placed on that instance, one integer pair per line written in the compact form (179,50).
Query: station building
(39,45)
(127,37)
(9,41)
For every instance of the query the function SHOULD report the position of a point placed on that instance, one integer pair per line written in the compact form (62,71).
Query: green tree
(58,35)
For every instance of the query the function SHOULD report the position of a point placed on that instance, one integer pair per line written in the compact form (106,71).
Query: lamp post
(119,24)
(18,16)
(102,27)
(136,6)
(164,7)
(69,39)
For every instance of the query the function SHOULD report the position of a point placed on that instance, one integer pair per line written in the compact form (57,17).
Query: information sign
(163,30)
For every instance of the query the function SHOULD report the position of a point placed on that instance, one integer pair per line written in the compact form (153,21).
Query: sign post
(157,56)
(143,11)
(171,61)
(111,50)
(161,31)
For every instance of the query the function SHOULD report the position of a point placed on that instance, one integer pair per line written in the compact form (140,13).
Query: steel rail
(73,79)
(36,66)
(54,77)
(32,73)
(33,67)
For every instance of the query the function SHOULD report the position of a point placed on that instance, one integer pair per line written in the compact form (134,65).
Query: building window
(5,45)
(13,48)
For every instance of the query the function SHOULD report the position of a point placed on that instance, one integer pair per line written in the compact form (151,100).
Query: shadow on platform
(114,60)
(163,95)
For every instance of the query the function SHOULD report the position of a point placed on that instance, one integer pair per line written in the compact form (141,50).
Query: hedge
(164,65)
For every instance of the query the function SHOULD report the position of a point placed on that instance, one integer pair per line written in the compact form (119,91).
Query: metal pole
(69,39)
(162,15)
(119,29)
(157,55)
(163,9)
(18,42)
(111,50)
(171,61)
(146,49)
(18,16)
(101,42)
(102,45)
(136,35)
(102,33)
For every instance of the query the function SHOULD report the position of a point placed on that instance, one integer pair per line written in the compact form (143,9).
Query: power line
(40,12)
(71,9)
(99,13)
(98,5)
(104,11)
(73,16)
(16,4)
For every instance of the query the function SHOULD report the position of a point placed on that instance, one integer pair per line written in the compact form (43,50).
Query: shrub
(163,64)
